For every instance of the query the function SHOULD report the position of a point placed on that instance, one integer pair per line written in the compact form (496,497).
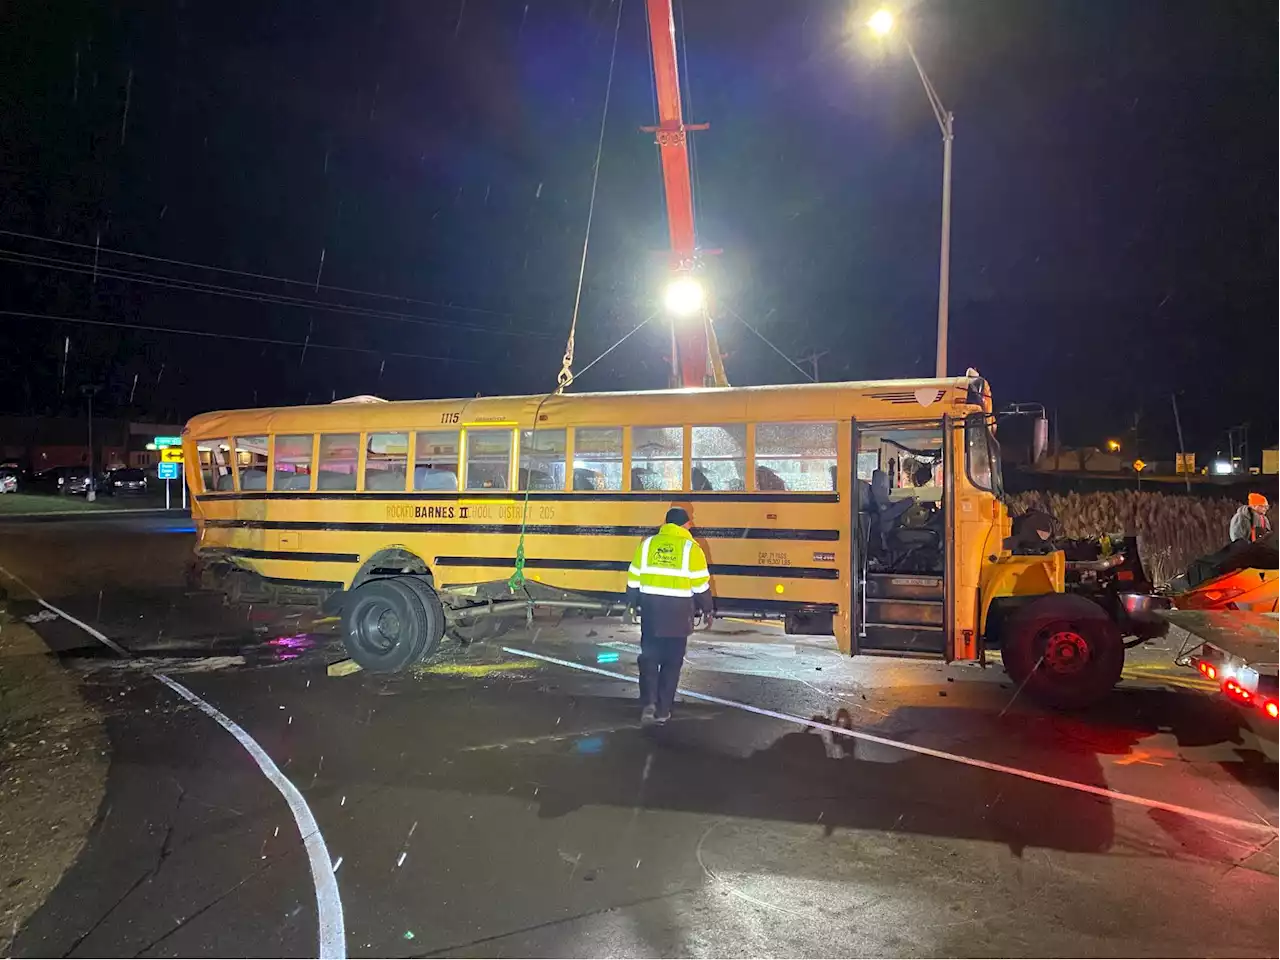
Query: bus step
(917,613)
(901,586)
(902,638)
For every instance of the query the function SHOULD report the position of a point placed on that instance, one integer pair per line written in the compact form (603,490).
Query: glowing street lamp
(1113,446)
(883,23)
(684,297)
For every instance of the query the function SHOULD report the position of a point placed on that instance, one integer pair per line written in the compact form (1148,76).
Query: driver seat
(887,512)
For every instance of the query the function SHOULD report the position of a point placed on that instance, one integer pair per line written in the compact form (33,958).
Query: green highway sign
(163,442)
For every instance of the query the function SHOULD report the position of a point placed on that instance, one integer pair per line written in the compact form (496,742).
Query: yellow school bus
(868,511)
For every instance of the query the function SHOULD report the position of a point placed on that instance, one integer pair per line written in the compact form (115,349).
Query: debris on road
(343,668)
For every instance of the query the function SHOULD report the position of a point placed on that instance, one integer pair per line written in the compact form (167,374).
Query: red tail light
(1236,692)
(1271,709)
(1208,670)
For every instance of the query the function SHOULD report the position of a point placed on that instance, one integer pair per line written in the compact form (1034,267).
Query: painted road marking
(332,932)
(1153,675)
(333,937)
(1113,795)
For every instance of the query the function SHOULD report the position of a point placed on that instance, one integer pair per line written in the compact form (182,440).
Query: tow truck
(1228,602)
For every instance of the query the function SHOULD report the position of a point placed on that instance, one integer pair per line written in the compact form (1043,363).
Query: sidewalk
(53,751)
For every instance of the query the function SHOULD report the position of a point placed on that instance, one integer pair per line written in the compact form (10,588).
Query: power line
(257,276)
(737,316)
(198,286)
(310,345)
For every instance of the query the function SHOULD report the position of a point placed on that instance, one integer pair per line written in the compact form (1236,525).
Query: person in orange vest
(1250,521)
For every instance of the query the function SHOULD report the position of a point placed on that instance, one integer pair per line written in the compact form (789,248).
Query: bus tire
(435,623)
(384,625)
(1063,651)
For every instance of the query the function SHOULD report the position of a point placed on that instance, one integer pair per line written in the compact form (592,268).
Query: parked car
(125,480)
(68,481)
(9,479)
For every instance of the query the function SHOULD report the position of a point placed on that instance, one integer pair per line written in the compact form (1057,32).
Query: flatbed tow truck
(1229,604)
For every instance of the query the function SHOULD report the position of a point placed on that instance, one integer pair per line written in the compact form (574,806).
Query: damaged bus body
(868,511)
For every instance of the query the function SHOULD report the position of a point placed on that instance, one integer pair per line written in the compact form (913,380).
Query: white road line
(86,628)
(1113,795)
(333,937)
(332,933)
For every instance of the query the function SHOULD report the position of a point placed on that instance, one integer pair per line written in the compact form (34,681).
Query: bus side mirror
(1040,439)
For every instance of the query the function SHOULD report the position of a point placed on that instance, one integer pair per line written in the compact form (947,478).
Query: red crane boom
(693,340)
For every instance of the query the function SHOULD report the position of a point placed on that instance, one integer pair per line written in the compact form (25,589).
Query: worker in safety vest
(669,581)
(1250,521)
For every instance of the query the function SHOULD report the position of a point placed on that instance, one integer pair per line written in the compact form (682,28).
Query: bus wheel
(434,610)
(1063,651)
(384,625)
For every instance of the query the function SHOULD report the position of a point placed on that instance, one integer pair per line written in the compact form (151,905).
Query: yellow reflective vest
(668,578)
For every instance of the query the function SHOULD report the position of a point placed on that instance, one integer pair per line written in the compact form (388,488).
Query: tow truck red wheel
(1063,651)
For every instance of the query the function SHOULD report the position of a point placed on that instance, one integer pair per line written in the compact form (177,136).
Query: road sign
(1185,462)
(169,471)
(163,442)
(171,455)
(1139,465)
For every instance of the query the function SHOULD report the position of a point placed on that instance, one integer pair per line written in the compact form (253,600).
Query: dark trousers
(660,661)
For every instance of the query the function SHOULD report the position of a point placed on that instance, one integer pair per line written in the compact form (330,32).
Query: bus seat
(288,480)
(584,479)
(767,479)
(384,480)
(253,479)
(536,480)
(226,482)
(335,480)
(863,491)
(885,511)
(432,478)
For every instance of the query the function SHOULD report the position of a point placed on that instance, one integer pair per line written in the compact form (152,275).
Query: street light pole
(946,124)
(91,490)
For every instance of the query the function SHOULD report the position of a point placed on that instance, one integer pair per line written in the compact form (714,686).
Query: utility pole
(89,390)
(1182,447)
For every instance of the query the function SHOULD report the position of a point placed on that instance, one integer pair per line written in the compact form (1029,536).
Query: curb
(105,514)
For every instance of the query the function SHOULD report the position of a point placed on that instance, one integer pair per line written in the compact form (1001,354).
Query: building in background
(41,443)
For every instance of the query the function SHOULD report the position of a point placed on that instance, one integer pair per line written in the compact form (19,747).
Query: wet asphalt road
(493,805)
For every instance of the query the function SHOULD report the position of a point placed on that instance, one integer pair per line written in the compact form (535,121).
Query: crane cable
(565,377)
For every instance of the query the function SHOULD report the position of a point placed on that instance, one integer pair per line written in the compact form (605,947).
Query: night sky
(1114,200)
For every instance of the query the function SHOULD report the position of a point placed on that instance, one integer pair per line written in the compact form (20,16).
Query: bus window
(720,457)
(488,459)
(386,461)
(542,459)
(657,458)
(909,460)
(336,467)
(982,455)
(597,458)
(435,460)
(215,465)
(293,462)
(251,459)
(796,456)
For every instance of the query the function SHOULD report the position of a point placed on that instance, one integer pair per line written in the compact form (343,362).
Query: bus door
(900,498)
